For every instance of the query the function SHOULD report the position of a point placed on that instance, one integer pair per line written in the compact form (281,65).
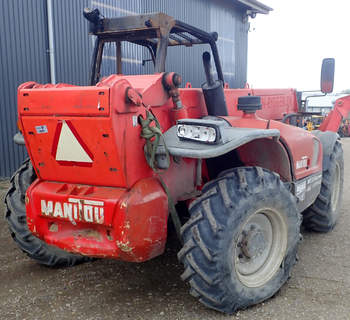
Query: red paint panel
(275,102)
(141,224)
(298,142)
(249,121)
(56,137)
(62,192)
(134,226)
(99,138)
(334,119)
(149,86)
(67,100)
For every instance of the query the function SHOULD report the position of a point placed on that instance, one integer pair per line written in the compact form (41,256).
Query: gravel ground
(108,289)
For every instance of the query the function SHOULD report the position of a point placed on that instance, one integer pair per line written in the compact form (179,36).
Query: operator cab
(155,32)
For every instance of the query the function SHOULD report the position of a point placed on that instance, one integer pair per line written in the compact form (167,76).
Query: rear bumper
(130,225)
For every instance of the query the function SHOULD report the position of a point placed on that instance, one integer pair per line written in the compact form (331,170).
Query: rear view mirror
(327,75)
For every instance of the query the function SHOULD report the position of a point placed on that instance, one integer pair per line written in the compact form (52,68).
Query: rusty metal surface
(147,22)
(156,31)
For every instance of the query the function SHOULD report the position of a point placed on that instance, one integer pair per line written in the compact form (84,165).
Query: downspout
(51,50)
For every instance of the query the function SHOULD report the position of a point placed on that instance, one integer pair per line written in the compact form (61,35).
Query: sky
(286,47)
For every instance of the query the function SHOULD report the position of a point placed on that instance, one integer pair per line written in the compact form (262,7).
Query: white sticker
(301,163)
(41,129)
(134,121)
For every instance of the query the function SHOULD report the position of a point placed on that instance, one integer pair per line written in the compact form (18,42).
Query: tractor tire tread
(205,225)
(15,215)
(319,216)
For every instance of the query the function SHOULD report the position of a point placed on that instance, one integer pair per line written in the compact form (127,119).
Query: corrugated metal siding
(227,20)
(241,38)
(132,54)
(23,57)
(220,15)
(72,43)
(24,47)
(185,61)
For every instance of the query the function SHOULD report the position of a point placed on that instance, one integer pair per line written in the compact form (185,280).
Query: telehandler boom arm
(341,111)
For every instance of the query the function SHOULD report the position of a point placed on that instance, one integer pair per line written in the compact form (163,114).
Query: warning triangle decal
(68,147)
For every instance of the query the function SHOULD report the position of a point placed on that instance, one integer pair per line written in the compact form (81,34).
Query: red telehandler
(108,163)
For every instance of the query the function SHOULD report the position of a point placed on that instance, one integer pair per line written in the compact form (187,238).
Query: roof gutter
(255,6)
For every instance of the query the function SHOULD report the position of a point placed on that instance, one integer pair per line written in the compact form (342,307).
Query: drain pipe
(51,50)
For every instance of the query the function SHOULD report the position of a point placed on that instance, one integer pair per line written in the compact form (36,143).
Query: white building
(316,102)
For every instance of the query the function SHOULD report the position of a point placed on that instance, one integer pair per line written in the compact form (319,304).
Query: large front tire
(323,214)
(241,241)
(16,217)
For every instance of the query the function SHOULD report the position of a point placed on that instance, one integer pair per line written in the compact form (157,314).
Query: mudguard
(230,139)
(328,139)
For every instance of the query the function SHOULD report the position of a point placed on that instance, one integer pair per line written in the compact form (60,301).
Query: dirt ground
(108,289)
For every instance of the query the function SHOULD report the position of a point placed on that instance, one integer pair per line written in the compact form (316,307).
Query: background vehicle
(344,130)
(313,122)
(108,162)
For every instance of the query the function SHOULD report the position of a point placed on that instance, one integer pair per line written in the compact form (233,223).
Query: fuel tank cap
(249,104)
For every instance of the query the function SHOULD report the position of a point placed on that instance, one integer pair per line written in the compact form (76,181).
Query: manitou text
(75,210)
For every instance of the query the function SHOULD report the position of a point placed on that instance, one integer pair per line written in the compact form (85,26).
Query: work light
(196,133)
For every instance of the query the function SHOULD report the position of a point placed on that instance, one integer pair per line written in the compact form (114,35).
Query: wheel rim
(261,247)
(336,188)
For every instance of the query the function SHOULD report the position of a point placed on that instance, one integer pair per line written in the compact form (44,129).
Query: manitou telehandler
(108,163)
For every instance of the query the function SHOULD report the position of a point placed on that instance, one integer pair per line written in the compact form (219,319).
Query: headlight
(196,133)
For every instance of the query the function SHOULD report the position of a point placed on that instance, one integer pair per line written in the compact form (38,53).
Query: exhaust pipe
(213,91)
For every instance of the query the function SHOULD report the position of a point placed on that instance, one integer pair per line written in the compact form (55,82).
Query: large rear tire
(16,217)
(241,240)
(323,214)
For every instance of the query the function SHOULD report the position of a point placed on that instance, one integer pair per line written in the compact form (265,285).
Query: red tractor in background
(108,162)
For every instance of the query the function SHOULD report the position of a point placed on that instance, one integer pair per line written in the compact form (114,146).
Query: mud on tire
(225,263)
(322,215)
(16,218)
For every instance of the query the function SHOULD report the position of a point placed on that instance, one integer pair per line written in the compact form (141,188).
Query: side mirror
(327,75)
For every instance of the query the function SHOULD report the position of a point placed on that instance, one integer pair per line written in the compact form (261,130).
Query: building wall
(24,49)
(23,57)
(323,104)
(220,16)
